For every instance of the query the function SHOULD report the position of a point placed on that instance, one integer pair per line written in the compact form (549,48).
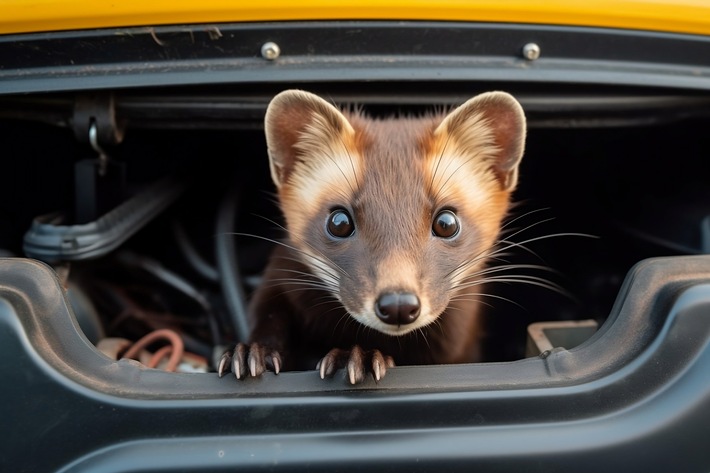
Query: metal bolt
(270,51)
(531,51)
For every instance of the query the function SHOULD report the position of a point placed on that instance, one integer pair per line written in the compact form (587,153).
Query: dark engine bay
(160,232)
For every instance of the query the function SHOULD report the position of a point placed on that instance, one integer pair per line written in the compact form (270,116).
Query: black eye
(445,224)
(340,224)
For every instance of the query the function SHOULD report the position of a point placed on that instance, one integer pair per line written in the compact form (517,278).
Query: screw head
(531,51)
(270,51)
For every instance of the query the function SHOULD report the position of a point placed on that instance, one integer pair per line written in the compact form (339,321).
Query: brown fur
(393,176)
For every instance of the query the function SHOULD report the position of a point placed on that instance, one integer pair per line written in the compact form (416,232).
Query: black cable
(192,256)
(175,281)
(227,265)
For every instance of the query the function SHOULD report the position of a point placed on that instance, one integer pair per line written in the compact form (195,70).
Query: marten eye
(340,224)
(446,224)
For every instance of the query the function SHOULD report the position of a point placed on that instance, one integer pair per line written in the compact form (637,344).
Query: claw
(240,356)
(351,373)
(380,365)
(329,363)
(389,362)
(276,362)
(223,364)
(235,368)
(357,362)
(356,373)
(252,365)
(321,368)
(356,365)
(249,360)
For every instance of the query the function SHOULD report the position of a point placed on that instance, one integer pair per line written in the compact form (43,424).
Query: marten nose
(397,308)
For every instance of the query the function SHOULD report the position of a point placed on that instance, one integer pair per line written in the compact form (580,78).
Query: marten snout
(397,308)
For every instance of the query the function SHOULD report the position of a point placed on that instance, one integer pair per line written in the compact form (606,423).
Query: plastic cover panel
(349,51)
(635,397)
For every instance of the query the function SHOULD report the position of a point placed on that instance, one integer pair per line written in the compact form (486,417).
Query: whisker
(477,301)
(328,277)
(442,187)
(508,267)
(507,244)
(420,331)
(483,294)
(352,164)
(305,274)
(344,318)
(438,162)
(329,299)
(464,265)
(520,279)
(520,217)
(325,258)
(543,237)
(283,281)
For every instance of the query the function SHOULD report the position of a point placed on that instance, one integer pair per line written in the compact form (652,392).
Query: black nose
(397,308)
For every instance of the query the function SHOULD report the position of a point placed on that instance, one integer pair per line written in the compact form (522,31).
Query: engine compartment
(135,171)
(610,177)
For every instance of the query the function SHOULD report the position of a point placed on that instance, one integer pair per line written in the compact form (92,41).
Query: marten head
(393,215)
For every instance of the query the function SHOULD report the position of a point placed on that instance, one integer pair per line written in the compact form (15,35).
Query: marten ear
(297,123)
(491,125)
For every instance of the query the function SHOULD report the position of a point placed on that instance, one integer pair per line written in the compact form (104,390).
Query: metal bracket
(97,110)
(100,182)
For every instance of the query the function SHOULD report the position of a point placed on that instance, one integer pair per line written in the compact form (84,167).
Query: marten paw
(256,357)
(358,363)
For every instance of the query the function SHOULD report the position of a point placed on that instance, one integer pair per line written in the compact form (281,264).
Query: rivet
(531,51)
(270,51)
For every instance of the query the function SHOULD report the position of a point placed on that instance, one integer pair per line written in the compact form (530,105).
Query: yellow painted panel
(683,16)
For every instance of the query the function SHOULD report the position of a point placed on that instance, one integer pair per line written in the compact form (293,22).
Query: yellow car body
(682,16)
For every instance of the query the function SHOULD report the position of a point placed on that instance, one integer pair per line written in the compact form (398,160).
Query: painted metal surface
(679,16)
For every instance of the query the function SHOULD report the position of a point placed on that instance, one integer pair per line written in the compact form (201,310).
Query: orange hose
(176,348)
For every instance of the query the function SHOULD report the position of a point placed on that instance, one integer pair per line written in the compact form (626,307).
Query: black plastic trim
(50,241)
(243,107)
(348,51)
(635,397)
